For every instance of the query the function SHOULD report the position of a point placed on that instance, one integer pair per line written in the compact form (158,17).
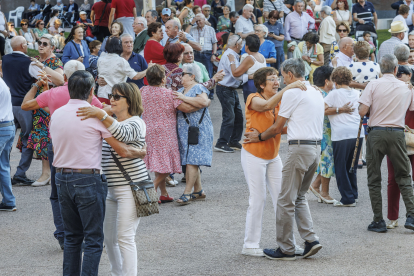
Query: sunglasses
(44,44)
(183,74)
(342,31)
(24,24)
(116,97)
(11,25)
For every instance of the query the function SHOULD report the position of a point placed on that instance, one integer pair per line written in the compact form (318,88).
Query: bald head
(344,41)
(19,43)
(346,46)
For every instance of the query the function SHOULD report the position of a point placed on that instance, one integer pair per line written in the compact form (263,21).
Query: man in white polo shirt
(304,112)
(244,26)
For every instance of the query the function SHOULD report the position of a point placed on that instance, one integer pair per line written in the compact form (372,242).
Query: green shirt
(204,73)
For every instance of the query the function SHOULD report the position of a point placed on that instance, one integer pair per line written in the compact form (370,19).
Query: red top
(409,119)
(98,9)
(123,8)
(153,51)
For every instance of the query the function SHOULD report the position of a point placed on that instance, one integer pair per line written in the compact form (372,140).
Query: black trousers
(103,32)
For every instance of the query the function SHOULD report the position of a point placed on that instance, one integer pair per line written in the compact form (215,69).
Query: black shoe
(7,208)
(409,223)
(277,254)
(311,248)
(379,227)
(61,243)
(224,148)
(236,146)
(364,162)
(211,96)
(22,180)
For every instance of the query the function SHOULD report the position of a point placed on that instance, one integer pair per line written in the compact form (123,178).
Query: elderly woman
(163,156)
(39,136)
(342,29)
(154,51)
(312,52)
(117,29)
(27,33)
(196,150)
(403,12)
(40,29)
(250,63)
(267,48)
(121,221)
(173,54)
(187,15)
(276,35)
(261,162)
(342,13)
(114,69)
(344,135)
(75,47)
(224,22)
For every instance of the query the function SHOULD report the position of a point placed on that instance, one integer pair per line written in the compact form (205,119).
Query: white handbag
(409,140)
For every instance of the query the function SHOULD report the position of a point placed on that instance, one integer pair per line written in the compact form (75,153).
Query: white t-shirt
(344,126)
(305,113)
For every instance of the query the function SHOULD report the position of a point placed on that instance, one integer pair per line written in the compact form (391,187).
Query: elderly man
(71,11)
(304,134)
(151,16)
(54,99)
(141,35)
(397,35)
(165,16)
(297,24)
(211,20)
(363,12)
(244,26)
(346,51)
(232,125)
(327,31)
(137,62)
(387,100)
(87,25)
(19,76)
(206,36)
(409,19)
(172,28)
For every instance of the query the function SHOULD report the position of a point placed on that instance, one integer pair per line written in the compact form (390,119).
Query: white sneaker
(340,204)
(298,250)
(169,182)
(43,183)
(392,224)
(255,252)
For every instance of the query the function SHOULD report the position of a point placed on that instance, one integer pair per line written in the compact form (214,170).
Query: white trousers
(259,173)
(120,226)
(127,23)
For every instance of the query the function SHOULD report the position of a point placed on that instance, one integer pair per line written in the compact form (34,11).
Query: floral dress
(326,164)
(223,21)
(39,136)
(189,17)
(202,153)
(174,76)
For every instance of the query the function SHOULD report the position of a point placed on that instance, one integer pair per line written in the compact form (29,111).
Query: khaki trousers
(326,53)
(297,174)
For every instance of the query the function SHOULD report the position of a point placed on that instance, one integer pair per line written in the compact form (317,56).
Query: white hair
(175,24)
(125,35)
(312,3)
(411,33)
(248,6)
(298,1)
(264,29)
(193,69)
(53,41)
(206,6)
(71,67)
(200,15)
(186,44)
(143,21)
(231,42)
(327,10)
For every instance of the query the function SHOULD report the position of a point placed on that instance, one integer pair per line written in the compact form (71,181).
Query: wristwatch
(232,62)
(260,137)
(186,41)
(35,84)
(337,110)
(104,117)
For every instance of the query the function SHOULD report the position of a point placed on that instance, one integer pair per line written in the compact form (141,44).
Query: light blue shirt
(71,7)
(267,49)
(174,40)
(34,7)
(229,80)
(328,3)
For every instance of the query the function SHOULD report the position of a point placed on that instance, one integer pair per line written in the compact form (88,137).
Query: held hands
(101,81)
(90,112)
(251,137)
(181,36)
(219,75)
(297,84)
(306,58)
(179,96)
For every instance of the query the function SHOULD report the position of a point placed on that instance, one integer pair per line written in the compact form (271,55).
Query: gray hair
(193,69)
(248,6)
(154,13)
(388,63)
(231,42)
(327,10)
(200,15)
(411,33)
(298,1)
(264,28)
(143,21)
(175,24)
(53,41)
(71,67)
(312,3)
(206,6)
(402,52)
(295,66)
(125,35)
(186,44)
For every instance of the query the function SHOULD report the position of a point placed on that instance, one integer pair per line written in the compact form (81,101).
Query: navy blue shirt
(365,13)
(278,30)
(138,63)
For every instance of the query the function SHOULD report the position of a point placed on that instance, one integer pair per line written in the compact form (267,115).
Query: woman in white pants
(261,163)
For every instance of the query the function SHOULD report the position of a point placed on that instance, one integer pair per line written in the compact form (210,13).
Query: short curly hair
(341,75)
(153,28)
(155,74)
(345,24)
(362,49)
(260,77)
(173,51)
(311,38)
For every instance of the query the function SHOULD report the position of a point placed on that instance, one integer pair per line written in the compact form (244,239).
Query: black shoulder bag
(193,131)
(95,28)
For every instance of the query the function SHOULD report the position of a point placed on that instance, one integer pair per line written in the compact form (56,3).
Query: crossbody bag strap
(273,4)
(172,71)
(201,119)
(103,12)
(121,168)
(74,44)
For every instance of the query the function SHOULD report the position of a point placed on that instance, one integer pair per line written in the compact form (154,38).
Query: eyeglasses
(116,97)
(183,74)
(342,31)
(41,23)
(274,79)
(44,44)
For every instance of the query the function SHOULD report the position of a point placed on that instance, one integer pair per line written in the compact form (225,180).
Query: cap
(166,11)
(82,12)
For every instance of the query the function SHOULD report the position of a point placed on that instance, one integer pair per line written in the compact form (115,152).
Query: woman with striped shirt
(121,219)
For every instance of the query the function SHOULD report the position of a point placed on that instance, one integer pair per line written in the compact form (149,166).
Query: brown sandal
(199,195)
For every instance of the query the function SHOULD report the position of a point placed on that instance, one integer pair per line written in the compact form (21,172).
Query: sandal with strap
(199,195)
(185,199)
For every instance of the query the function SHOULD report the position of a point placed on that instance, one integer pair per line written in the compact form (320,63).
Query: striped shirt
(131,132)
(269,6)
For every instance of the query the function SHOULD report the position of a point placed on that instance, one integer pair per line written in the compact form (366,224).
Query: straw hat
(397,27)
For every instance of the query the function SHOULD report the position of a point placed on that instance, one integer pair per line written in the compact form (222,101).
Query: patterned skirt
(326,164)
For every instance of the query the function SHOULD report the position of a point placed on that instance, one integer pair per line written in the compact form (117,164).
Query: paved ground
(206,238)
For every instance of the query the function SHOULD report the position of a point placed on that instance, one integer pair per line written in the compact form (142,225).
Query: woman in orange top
(260,161)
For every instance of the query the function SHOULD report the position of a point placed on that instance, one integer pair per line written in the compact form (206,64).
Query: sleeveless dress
(189,17)
(249,87)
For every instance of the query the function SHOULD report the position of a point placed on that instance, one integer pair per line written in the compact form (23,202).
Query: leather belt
(296,38)
(82,171)
(387,128)
(6,124)
(305,142)
(233,88)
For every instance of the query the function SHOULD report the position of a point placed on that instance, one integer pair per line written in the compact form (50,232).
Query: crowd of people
(136,90)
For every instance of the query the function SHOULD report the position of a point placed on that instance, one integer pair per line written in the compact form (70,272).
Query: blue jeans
(6,143)
(280,58)
(54,199)
(232,125)
(90,39)
(82,200)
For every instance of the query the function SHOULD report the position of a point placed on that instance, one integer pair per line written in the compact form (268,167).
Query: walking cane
(351,170)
